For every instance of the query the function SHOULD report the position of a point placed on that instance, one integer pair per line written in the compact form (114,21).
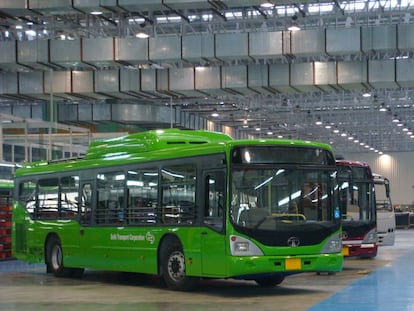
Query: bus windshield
(263,196)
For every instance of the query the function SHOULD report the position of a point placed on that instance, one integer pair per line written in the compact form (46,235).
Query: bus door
(213,238)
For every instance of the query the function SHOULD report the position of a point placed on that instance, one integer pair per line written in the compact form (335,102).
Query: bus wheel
(173,268)
(270,282)
(55,258)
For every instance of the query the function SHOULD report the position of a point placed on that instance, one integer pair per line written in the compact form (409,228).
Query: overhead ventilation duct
(308,42)
(107,84)
(58,84)
(83,85)
(198,49)
(381,73)
(51,7)
(279,78)
(67,54)
(380,38)
(340,41)
(95,6)
(208,81)
(99,52)
(266,45)
(232,47)
(258,79)
(8,56)
(182,82)
(165,49)
(131,51)
(405,69)
(326,76)
(302,77)
(8,84)
(353,75)
(405,38)
(15,7)
(31,84)
(234,80)
(141,5)
(34,54)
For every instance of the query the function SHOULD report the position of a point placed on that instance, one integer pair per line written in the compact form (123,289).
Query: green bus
(183,205)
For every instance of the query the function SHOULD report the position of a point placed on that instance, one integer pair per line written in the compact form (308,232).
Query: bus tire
(270,282)
(173,267)
(55,258)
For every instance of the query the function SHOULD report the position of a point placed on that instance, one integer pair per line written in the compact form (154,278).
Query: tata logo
(293,241)
(344,235)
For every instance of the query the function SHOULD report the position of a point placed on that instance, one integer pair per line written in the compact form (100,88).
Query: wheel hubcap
(176,266)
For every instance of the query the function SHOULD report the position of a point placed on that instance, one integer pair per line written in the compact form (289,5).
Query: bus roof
(155,145)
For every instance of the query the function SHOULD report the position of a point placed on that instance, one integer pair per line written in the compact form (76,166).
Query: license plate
(345,251)
(293,264)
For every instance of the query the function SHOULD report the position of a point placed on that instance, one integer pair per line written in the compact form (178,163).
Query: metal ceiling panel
(381,73)
(31,84)
(165,49)
(182,81)
(57,82)
(279,78)
(107,83)
(325,75)
(99,52)
(198,48)
(14,7)
(141,113)
(353,75)
(141,5)
(379,38)
(234,80)
(8,83)
(405,37)
(52,7)
(263,45)
(131,50)
(258,78)
(8,55)
(302,77)
(34,54)
(208,81)
(89,6)
(340,41)
(232,46)
(308,42)
(130,81)
(66,53)
(405,69)
(83,85)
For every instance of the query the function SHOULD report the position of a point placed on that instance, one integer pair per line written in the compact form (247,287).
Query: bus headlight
(371,237)
(240,246)
(333,245)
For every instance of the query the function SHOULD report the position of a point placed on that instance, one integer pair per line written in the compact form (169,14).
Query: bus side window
(85,204)
(215,200)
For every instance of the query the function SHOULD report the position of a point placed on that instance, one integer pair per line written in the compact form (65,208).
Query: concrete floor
(362,285)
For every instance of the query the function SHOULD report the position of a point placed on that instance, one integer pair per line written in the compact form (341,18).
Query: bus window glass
(178,194)
(69,192)
(110,203)
(262,196)
(27,196)
(48,200)
(85,203)
(142,188)
(214,207)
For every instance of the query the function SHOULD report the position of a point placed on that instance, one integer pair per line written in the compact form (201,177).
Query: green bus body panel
(136,248)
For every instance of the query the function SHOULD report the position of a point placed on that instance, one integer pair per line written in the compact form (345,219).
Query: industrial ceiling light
(294,26)
(267,5)
(142,34)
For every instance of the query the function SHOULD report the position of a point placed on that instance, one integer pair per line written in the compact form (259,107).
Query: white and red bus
(357,200)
